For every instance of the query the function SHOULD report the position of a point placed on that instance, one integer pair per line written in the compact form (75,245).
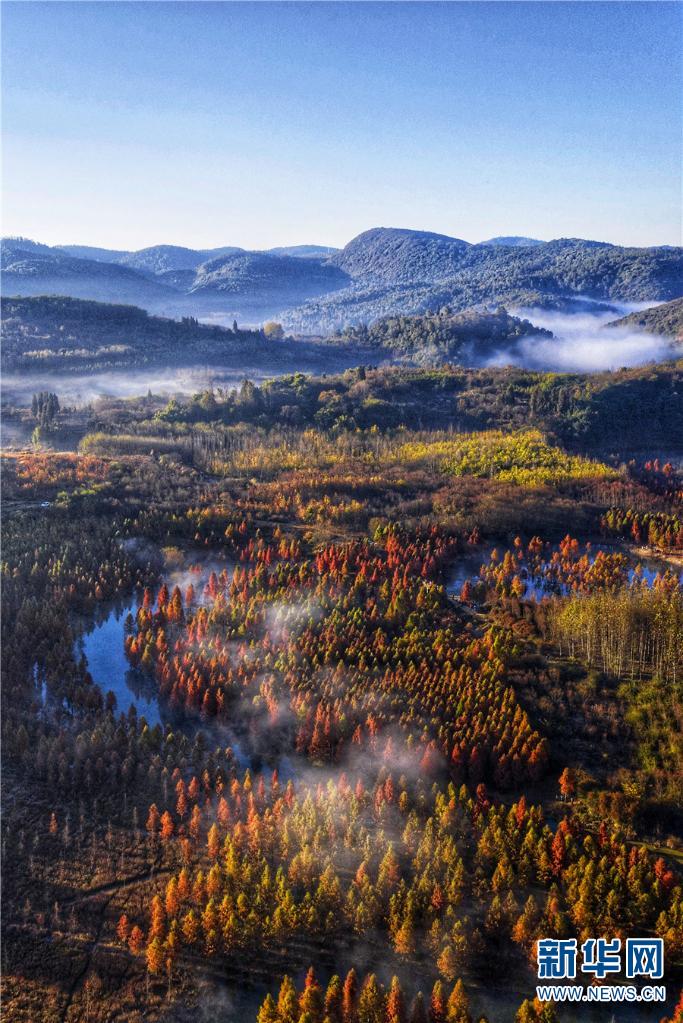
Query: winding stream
(102,644)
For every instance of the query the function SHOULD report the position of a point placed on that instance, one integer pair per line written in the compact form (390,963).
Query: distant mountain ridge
(180,257)
(396,256)
(39,271)
(381,272)
(90,252)
(160,259)
(414,272)
(155,258)
(303,251)
(262,275)
(171,279)
(512,240)
(26,244)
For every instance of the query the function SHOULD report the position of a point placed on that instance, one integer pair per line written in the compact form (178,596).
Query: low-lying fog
(583,343)
(73,389)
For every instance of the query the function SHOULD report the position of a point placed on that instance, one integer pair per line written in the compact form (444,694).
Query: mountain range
(317,289)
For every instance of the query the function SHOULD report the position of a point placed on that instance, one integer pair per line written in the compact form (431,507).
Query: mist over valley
(389,295)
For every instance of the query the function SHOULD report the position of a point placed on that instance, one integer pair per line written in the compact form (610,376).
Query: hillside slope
(61,335)
(258,276)
(665,319)
(158,259)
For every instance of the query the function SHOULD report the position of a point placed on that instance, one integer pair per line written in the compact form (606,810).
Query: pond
(102,644)
(466,567)
(104,652)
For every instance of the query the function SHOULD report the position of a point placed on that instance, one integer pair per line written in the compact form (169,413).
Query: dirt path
(109,890)
(111,887)
(90,948)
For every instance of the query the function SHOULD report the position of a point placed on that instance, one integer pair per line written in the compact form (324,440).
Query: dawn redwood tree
(195,825)
(311,1001)
(213,842)
(158,918)
(172,900)
(166,826)
(371,1002)
(190,927)
(437,1004)
(153,821)
(536,1012)
(136,940)
(447,963)
(334,1000)
(350,998)
(287,1002)
(268,1011)
(155,956)
(123,929)
(567,783)
(458,1006)
(395,1011)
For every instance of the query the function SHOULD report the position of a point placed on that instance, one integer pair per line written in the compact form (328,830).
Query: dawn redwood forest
(317,710)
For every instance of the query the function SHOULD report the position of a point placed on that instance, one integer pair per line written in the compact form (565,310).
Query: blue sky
(261,124)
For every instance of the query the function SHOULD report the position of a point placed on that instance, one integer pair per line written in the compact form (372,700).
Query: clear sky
(262,124)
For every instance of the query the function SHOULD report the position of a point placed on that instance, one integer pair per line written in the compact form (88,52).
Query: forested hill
(33,269)
(470,337)
(67,334)
(397,256)
(665,319)
(595,269)
(410,272)
(635,409)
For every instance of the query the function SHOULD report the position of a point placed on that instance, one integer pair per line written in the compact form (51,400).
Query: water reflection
(538,585)
(103,644)
(104,652)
